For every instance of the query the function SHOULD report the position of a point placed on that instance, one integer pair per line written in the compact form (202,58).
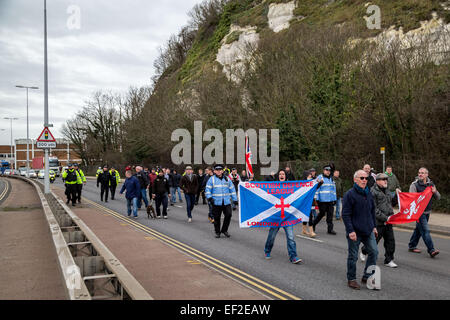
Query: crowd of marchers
(364,208)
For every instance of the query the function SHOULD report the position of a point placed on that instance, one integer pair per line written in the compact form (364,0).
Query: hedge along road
(323,272)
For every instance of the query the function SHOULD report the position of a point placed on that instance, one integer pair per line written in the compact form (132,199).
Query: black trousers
(71,193)
(217,213)
(113,191)
(164,200)
(79,189)
(387,233)
(197,197)
(325,208)
(104,191)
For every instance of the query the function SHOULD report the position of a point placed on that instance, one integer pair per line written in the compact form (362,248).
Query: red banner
(412,205)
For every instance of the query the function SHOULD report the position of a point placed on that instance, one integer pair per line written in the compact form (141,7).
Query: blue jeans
(291,246)
(190,202)
(338,208)
(422,230)
(173,192)
(133,201)
(143,196)
(370,245)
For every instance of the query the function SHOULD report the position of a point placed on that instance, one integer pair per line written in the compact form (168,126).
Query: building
(65,151)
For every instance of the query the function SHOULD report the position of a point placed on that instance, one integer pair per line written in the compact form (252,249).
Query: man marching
(79,182)
(114,182)
(71,178)
(218,191)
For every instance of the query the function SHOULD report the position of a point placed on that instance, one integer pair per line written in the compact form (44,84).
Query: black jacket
(160,185)
(104,179)
(142,178)
(175,182)
(189,186)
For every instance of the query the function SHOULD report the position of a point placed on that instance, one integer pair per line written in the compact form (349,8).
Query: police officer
(218,191)
(326,198)
(115,180)
(104,179)
(99,171)
(80,182)
(71,178)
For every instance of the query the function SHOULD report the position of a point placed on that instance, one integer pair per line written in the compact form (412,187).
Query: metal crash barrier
(90,271)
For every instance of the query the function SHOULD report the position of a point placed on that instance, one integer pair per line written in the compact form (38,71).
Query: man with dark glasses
(358,215)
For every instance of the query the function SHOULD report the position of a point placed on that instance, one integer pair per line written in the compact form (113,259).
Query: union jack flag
(248,157)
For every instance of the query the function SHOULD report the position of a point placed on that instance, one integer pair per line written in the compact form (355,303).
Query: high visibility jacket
(327,191)
(83,178)
(220,190)
(98,172)
(71,177)
(115,175)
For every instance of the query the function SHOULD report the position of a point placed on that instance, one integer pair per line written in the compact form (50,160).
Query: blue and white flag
(275,203)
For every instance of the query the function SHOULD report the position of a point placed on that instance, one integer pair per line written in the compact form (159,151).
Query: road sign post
(383,152)
(46,141)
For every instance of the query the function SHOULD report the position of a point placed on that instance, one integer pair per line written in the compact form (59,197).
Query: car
(23,171)
(32,174)
(16,172)
(7,172)
(41,174)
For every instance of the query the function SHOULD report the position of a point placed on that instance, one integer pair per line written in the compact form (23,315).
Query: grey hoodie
(419,186)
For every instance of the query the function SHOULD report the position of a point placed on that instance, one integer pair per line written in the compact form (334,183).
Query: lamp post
(28,130)
(11,120)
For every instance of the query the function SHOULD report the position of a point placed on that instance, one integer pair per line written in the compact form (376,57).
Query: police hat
(75,164)
(218,167)
(327,167)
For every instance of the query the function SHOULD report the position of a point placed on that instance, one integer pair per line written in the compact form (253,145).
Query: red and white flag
(412,205)
(248,157)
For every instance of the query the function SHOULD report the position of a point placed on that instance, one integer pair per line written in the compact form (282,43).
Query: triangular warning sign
(46,136)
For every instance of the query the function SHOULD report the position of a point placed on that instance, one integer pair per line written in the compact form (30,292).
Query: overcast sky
(113,49)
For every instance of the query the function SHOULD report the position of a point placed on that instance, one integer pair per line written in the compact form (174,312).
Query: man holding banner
(276,204)
(416,206)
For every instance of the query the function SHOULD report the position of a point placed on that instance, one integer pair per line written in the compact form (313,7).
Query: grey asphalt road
(323,272)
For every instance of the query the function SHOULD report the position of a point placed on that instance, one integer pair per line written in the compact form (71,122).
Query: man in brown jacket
(189,185)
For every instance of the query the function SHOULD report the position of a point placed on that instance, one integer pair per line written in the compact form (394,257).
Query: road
(322,275)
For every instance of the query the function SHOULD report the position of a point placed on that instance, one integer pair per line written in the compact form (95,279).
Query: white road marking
(308,238)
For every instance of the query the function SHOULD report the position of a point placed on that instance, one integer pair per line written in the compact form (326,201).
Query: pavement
(28,262)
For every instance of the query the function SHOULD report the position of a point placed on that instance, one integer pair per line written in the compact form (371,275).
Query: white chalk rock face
(280,14)
(433,34)
(234,56)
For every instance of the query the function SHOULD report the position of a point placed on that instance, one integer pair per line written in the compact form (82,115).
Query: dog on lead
(151,211)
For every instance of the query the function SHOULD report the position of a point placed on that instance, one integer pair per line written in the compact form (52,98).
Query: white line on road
(307,238)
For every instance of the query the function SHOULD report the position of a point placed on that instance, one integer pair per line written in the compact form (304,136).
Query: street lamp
(28,148)
(15,160)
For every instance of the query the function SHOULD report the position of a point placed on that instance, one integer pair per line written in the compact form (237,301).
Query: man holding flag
(422,184)
(289,230)
(276,204)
